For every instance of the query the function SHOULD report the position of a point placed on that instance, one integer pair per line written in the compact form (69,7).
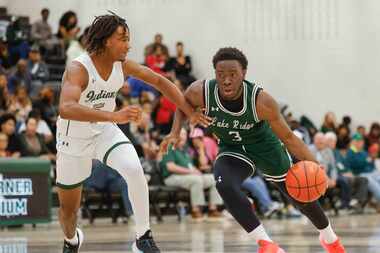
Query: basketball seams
(298,183)
(303,187)
(315,181)
(307,181)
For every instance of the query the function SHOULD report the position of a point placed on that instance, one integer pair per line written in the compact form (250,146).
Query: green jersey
(243,135)
(238,128)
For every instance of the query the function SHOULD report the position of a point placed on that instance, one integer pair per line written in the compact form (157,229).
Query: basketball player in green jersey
(252,133)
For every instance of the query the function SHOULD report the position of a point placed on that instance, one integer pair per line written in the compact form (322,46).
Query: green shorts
(273,162)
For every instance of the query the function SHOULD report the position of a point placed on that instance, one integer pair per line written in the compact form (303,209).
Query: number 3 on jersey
(235,135)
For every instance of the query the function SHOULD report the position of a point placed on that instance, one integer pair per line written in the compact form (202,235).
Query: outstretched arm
(194,95)
(159,82)
(267,109)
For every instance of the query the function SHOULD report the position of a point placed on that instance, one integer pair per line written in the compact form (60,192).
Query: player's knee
(68,210)
(134,169)
(224,186)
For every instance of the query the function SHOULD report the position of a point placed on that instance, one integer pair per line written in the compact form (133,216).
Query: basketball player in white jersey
(86,128)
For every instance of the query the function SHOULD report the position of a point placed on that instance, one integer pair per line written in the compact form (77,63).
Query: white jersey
(99,94)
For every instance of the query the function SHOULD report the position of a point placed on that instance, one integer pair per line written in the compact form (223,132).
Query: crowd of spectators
(28,113)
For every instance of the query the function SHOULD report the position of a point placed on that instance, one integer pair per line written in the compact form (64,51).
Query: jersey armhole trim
(87,70)
(256,90)
(206,95)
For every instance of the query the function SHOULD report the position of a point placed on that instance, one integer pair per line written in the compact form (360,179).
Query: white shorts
(74,155)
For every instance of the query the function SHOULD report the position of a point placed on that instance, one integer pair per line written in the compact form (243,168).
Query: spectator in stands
(8,127)
(373,135)
(76,47)
(38,71)
(164,115)
(308,125)
(42,127)
(4,96)
(178,170)
(68,29)
(181,65)
(325,157)
(361,130)
(45,104)
(346,121)
(5,61)
(211,145)
(157,60)
(41,30)
(363,165)
(21,105)
(329,123)
(256,186)
(32,143)
(137,87)
(125,128)
(198,151)
(20,77)
(4,146)
(17,39)
(373,152)
(300,131)
(142,133)
(343,137)
(358,184)
(149,50)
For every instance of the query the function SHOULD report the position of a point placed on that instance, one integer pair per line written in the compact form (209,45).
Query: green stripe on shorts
(112,148)
(69,187)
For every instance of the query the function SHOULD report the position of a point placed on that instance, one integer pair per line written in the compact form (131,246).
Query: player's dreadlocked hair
(230,53)
(101,29)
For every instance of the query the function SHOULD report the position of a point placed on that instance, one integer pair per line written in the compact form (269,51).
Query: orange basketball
(306,181)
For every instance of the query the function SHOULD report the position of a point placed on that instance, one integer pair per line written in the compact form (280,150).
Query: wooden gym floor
(360,234)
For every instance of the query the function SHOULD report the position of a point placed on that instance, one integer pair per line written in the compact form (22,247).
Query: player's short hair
(230,53)
(101,29)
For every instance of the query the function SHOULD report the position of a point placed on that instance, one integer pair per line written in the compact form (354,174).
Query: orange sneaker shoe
(335,247)
(269,247)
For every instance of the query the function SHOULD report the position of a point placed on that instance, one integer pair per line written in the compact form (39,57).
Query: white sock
(73,241)
(259,233)
(328,234)
(139,196)
(130,169)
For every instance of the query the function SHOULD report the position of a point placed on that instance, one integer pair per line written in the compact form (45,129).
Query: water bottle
(181,211)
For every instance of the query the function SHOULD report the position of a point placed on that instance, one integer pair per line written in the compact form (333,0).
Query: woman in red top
(157,60)
(164,115)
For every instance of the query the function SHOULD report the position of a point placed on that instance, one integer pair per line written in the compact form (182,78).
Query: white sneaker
(68,248)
